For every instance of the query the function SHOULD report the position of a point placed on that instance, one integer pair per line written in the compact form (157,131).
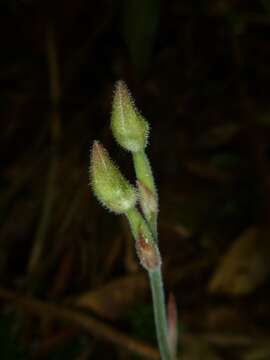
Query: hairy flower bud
(109,185)
(129,128)
(148,252)
(148,200)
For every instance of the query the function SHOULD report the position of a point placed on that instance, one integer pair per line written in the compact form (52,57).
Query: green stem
(144,175)
(137,223)
(160,313)
(143,169)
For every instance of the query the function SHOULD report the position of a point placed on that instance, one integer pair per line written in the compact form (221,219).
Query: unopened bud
(109,185)
(148,200)
(129,128)
(148,252)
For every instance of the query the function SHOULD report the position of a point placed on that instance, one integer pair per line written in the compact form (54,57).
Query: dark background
(199,72)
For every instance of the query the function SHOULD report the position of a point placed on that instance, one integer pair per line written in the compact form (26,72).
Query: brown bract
(148,253)
(148,199)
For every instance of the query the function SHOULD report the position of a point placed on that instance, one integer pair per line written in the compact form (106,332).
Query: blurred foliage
(10,347)
(141,321)
(266,5)
(69,350)
(140,24)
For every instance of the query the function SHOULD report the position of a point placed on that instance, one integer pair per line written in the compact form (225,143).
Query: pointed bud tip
(123,98)
(98,147)
(121,86)
(94,149)
(98,154)
(96,144)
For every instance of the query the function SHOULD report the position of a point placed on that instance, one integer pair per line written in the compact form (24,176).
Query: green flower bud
(109,185)
(129,128)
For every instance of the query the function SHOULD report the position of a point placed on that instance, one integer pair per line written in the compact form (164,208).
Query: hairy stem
(144,175)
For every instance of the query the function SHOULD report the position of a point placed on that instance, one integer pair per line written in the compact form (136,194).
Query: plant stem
(143,169)
(144,175)
(160,313)
(137,223)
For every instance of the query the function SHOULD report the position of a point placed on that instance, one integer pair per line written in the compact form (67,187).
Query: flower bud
(129,128)
(109,185)
(148,252)
(148,200)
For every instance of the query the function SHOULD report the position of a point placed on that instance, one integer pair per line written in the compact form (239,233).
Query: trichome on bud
(129,127)
(109,185)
